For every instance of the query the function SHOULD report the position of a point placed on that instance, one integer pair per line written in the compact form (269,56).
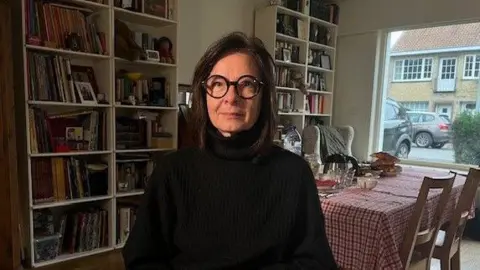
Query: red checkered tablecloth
(366,228)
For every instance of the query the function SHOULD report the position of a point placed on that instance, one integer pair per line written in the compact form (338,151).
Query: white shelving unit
(105,67)
(266,29)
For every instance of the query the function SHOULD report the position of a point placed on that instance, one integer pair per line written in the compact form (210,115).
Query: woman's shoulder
(281,156)
(178,156)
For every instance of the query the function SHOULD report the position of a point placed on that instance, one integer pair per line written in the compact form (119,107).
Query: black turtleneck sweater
(226,208)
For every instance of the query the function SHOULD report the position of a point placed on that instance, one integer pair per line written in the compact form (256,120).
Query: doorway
(444,109)
(447,73)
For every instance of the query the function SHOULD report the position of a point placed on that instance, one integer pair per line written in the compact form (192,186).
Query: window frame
(476,58)
(403,66)
(406,103)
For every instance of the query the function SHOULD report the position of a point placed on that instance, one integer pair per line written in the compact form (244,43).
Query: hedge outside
(466,138)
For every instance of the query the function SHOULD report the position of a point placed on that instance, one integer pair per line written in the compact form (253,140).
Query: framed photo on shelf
(286,55)
(85,92)
(157,8)
(325,61)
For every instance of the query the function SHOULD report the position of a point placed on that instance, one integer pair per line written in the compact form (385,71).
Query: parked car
(429,129)
(397,130)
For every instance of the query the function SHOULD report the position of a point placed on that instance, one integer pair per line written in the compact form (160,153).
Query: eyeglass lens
(246,87)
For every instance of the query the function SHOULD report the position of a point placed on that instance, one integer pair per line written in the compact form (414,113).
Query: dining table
(365,228)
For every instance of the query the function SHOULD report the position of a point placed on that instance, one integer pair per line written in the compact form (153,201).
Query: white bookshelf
(266,29)
(105,67)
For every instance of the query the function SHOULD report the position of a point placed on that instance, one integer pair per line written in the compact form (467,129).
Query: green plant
(466,138)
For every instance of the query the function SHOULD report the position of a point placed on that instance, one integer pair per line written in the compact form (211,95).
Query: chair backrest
(426,238)
(464,205)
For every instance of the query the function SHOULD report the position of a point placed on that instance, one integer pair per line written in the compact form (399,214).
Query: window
(468,106)
(413,69)
(472,67)
(420,106)
(435,67)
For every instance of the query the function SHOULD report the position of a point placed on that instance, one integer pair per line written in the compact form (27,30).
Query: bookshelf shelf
(66,104)
(124,151)
(73,153)
(88,156)
(71,202)
(67,257)
(319,69)
(121,61)
(290,38)
(279,88)
(319,46)
(139,107)
(142,18)
(130,193)
(303,47)
(70,53)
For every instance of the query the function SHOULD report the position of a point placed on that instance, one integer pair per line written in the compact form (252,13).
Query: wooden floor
(470,260)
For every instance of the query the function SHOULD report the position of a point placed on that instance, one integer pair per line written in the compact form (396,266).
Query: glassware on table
(349,176)
(314,163)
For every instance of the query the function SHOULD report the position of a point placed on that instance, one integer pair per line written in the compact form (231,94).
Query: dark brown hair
(232,43)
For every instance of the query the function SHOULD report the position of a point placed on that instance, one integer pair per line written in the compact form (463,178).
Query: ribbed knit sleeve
(309,245)
(147,246)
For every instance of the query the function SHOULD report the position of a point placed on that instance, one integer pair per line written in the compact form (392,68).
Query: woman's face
(231,113)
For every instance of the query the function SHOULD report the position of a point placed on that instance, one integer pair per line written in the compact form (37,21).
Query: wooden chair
(447,246)
(417,247)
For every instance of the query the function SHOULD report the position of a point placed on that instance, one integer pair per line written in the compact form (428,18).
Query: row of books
(83,130)
(315,104)
(126,215)
(54,78)
(70,232)
(57,25)
(64,178)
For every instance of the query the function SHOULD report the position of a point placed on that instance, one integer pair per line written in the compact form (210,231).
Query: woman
(235,201)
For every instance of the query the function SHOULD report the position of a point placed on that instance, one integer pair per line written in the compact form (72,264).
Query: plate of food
(386,163)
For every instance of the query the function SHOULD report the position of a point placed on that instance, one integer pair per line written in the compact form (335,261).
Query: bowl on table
(367,182)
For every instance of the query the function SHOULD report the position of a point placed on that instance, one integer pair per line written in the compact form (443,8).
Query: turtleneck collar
(237,147)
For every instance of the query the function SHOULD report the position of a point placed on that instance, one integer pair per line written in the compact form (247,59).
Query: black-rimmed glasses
(246,86)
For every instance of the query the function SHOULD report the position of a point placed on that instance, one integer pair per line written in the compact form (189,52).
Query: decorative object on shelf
(102,98)
(157,8)
(85,92)
(325,61)
(73,42)
(164,46)
(293,140)
(125,44)
(299,81)
(286,55)
(152,55)
(158,92)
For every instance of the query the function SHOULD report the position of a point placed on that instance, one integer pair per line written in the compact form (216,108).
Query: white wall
(355,80)
(201,22)
(357,16)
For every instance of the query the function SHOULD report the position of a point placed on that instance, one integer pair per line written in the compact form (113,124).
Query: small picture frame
(152,55)
(286,55)
(85,92)
(325,61)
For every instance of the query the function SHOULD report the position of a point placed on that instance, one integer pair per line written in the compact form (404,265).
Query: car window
(390,112)
(444,120)
(428,118)
(414,117)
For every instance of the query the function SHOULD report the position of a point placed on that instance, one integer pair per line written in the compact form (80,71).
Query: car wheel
(403,150)
(438,145)
(423,140)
